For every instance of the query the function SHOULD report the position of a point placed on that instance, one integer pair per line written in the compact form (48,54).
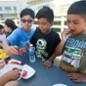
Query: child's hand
(77,77)
(13,74)
(48,63)
(65,34)
(2,63)
(11,50)
(22,51)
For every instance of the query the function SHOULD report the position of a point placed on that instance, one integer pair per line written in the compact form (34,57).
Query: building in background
(12,8)
(59,6)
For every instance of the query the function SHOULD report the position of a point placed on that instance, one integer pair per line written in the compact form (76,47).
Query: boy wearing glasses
(21,35)
(45,39)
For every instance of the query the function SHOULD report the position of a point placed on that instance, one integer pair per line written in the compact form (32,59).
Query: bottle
(32,57)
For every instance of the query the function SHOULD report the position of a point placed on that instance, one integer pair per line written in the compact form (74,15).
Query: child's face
(76,24)
(7,29)
(26,22)
(2,31)
(44,25)
(2,63)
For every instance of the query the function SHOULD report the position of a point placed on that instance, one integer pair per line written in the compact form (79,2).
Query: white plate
(14,61)
(30,71)
(6,68)
(59,85)
(9,67)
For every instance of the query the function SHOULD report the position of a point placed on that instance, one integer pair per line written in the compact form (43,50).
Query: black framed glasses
(28,21)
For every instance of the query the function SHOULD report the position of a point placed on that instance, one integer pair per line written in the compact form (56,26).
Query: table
(46,77)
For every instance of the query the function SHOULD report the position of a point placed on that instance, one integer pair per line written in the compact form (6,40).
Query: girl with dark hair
(9,26)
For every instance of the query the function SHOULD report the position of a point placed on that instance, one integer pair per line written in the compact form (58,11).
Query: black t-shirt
(45,44)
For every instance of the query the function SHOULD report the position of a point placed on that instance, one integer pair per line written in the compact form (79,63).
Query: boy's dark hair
(10,23)
(78,7)
(27,11)
(1,26)
(47,13)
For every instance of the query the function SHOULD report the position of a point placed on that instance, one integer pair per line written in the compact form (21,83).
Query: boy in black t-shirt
(45,39)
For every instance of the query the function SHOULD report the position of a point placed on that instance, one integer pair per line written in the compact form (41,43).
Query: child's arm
(57,52)
(59,49)
(11,75)
(78,77)
(64,36)
(10,50)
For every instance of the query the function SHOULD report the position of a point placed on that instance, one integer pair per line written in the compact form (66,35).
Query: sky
(60,2)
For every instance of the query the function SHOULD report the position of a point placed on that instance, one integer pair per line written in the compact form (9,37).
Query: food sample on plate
(24,73)
(14,61)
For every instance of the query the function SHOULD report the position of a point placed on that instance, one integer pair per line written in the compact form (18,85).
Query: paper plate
(3,54)
(6,68)
(14,61)
(9,67)
(30,71)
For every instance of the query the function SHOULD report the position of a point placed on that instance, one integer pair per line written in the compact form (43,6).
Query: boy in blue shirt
(23,34)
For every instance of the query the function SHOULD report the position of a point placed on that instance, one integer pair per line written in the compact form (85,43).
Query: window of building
(14,8)
(0,8)
(7,8)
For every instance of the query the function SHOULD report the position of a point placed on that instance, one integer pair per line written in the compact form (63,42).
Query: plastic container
(31,51)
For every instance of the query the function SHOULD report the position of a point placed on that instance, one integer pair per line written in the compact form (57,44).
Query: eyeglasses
(28,21)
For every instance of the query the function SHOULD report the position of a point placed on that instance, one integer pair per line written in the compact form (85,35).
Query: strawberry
(24,73)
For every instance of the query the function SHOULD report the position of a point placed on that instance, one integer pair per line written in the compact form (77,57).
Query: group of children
(48,44)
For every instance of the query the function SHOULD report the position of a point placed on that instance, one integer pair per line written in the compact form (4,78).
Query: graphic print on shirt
(40,48)
(73,52)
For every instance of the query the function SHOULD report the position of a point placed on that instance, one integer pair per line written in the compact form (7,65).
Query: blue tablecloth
(46,77)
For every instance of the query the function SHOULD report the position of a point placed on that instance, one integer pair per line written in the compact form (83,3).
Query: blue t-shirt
(19,37)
